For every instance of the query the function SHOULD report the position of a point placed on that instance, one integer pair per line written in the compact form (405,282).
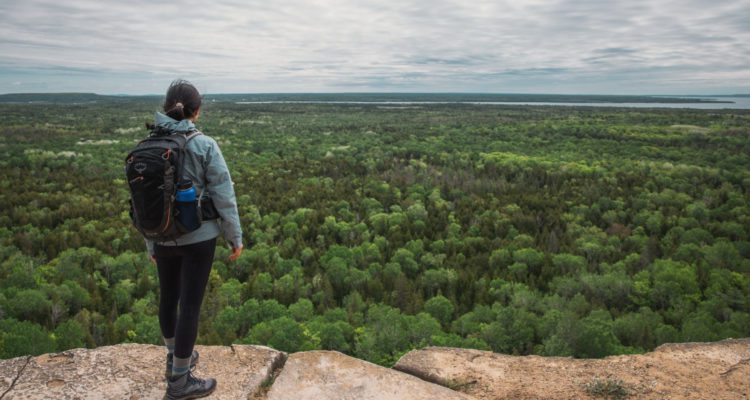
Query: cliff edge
(135,371)
(717,370)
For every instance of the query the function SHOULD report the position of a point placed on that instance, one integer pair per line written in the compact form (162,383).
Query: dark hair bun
(183,100)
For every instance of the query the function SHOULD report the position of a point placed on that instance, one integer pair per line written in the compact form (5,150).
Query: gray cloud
(556,46)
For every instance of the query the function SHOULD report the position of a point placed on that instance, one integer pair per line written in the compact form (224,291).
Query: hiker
(184,261)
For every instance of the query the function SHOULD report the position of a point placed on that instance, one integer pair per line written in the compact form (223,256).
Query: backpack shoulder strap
(184,139)
(191,135)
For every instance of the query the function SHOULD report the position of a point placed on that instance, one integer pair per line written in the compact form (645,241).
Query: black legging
(183,274)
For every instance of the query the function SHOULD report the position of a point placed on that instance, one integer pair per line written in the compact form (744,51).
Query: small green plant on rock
(607,389)
(459,384)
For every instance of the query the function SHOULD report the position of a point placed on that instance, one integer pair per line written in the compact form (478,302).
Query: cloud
(562,46)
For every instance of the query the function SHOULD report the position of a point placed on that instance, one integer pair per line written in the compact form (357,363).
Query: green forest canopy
(376,229)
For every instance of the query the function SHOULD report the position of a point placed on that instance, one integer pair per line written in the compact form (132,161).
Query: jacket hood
(172,124)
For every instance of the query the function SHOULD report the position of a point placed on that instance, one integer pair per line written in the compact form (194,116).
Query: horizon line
(388,92)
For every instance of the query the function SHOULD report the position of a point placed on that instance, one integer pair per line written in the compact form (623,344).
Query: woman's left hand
(236,253)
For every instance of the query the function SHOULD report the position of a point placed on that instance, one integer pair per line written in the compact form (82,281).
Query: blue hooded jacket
(205,166)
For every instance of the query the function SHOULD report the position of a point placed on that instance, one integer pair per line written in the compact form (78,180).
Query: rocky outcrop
(131,371)
(317,375)
(136,372)
(717,370)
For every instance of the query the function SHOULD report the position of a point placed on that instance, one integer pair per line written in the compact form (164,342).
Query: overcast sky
(522,46)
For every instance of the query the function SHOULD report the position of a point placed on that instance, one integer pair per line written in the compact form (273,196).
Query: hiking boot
(170,360)
(187,386)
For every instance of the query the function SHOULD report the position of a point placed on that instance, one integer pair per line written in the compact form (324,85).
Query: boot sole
(192,396)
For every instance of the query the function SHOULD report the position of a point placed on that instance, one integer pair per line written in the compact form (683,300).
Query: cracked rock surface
(318,375)
(717,370)
(133,371)
(10,372)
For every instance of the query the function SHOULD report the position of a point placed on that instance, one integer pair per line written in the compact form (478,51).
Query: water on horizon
(737,103)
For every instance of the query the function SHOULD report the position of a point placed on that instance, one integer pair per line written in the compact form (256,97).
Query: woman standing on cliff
(184,264)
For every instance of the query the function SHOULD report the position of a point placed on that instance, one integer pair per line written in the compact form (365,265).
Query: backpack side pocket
(188,215)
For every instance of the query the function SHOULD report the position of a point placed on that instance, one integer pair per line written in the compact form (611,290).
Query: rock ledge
(716,370)
(135,371)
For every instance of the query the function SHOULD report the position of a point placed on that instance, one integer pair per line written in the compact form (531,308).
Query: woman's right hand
(236,253)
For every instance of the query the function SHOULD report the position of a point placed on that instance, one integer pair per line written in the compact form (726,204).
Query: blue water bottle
(187,206)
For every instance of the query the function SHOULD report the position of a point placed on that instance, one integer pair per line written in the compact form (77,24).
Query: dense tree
(440,308)
(69,335)
(282,333)
(374,230)
(20,338)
